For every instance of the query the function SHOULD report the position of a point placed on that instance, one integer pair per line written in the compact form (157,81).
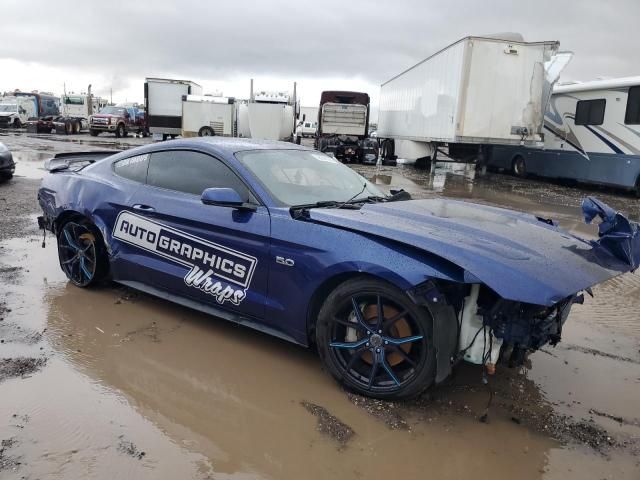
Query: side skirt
(216,312)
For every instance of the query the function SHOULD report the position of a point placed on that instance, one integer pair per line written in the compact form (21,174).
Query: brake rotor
(399,329)
(89,237)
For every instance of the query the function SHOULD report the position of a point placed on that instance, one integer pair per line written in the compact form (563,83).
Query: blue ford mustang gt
(391,291)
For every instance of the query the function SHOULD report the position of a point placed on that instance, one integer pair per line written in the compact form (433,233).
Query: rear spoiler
(77,160)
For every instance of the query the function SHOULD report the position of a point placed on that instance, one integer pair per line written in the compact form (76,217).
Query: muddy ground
(108,383)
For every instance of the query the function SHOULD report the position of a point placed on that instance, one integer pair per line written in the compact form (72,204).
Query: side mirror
(225,197)
(304,117)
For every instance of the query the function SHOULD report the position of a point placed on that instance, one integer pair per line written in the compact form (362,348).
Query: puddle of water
(203,397)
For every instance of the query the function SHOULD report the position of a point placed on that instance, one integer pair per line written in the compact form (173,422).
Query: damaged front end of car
(490,329)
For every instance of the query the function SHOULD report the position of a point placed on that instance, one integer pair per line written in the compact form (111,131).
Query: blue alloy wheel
(78,253)
(376,341)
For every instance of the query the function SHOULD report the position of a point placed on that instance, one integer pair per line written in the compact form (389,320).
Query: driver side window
(192,172)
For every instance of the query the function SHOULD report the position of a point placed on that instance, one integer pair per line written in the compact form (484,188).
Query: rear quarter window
(133,168)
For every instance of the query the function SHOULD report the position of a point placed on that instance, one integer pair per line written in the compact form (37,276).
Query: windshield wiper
(364,187)
(321,204)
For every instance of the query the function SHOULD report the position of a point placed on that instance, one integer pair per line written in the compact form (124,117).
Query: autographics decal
(214,269)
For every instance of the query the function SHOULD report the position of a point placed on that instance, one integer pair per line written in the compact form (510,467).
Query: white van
(307,129)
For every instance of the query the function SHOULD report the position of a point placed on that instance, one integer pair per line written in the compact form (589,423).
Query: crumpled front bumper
(618,235)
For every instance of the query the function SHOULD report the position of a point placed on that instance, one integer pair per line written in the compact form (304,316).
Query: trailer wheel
(206,132)
(519,167)
(120,130)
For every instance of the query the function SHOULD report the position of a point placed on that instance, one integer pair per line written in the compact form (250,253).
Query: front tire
(120,131)
(375,341)
(82,253)
(94,133)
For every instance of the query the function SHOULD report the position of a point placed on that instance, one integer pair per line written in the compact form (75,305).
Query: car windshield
(112,111)
(302,177)
(8,107)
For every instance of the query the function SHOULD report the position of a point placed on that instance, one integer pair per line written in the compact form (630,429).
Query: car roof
(229,145)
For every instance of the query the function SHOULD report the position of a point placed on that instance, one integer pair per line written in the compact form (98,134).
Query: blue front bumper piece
(618,235)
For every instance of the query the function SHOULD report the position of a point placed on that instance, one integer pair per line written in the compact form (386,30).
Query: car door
(212,254)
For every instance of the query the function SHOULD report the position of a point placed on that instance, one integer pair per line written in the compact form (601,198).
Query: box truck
(163,105)
(206,116)
(470,95)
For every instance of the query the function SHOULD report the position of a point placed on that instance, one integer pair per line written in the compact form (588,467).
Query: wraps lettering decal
(219,271)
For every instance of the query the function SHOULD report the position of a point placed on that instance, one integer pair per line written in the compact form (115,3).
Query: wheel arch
(442,312)
(97,222)
(64,217)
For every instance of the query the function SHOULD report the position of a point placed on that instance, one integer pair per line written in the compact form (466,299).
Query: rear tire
(375,341)
(68,128)
(519,166)
(82,253)
(206,132)
(76,127)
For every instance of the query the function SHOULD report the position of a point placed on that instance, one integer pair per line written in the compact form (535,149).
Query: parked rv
(343,127)
(206,116)
(163,104)
(15,111)
(474,93)
(592,135)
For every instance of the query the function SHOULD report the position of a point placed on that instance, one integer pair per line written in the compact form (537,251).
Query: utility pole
(111,95)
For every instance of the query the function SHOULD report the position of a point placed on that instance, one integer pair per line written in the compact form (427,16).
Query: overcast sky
(323,45)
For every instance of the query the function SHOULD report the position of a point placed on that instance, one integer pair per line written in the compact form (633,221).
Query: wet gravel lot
(109,383)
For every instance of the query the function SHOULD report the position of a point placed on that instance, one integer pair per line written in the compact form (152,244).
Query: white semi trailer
(206,116)
(163,105)
(470,95)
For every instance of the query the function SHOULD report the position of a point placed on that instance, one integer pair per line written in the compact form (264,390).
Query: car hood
(519,256)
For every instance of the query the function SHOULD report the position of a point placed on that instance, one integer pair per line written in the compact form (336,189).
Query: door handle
(138,207)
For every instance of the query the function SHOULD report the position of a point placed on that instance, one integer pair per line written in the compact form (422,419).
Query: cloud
(355,42)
